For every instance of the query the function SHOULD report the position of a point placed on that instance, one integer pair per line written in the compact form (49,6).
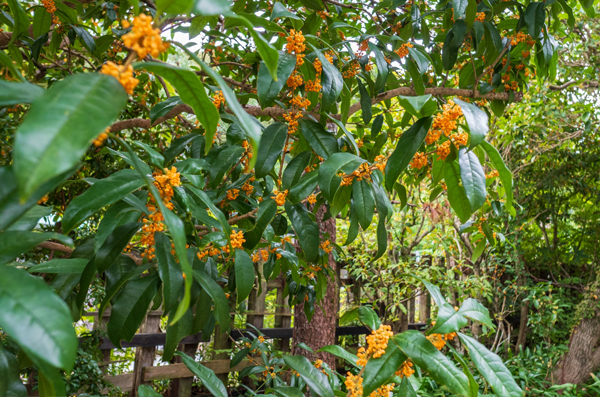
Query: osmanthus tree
(289,111)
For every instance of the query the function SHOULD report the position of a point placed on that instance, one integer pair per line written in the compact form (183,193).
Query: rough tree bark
(321,330)
(583,356)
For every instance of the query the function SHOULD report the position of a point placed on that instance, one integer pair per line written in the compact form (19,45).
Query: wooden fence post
(144,356)
(424,306)
(284,320)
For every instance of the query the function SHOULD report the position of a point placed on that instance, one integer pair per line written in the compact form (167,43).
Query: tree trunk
(583,356)
(321,330)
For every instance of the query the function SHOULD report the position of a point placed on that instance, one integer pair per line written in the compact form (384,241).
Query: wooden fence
(149,337)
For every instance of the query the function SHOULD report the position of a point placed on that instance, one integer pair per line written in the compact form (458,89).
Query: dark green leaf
(270,149)
(176,332)
(75,265)
(60,126)
(322,141)
(314,378)
(10,382)
(20,18)
(287,391)
(418,106)
(344,162)
(340,352)
(503,171)
(37,319)
(147,391)
(305,186)
(380,370)
(364,202)
(244,275)
(306,229)
(206,376)
(441,369)
(268,88)
(473,178)
(477,120)
(295,169)
(368,317)
(101,194)
(408,144)
(266,211)
(169,271)
(114,244)
(491,367)
(17,93)
(534,18)
(15,243)
(474,310)
(130,307)
(163,108)
(332,81)
(365,102)
(218,296)
(456,193)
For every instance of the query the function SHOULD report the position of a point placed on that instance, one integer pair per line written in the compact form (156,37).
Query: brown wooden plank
(176,371)
(124,381)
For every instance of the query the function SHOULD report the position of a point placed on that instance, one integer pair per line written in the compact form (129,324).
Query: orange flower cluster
(312,199)
(164,182)
(402,51)
(247,156)
(51,8)
(295,80)
(101,138)
(300,102)
(262,253)
(248,188)
(237,240)
(363,171)
(443,150)
(444,122)
(314,86)
(280,197)
(437,340)
(295,42)
(144,39)
(519,38)
(480,17)
(218,99)
(380,162)
(354,385)
(512,86)
(232,194)
(378,341)
(353,70)
(326,246)
(459,139)
(292,118)
(492,174)
(405,369)
(122,73)
(419,161)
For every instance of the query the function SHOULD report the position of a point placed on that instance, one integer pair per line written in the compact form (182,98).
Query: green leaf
(477,120)
(306,229)
(479,249)
(250,126)
(101,194)
(129,308)
(147,391)
(227,158)
(364,202)
(31,218)
(456,193)
(340,352)
(266,211)
(17,93)
(163,108)
(348,134)
(10,382)
(280,11)
(441,369)
(213,208)
(15,243)
(20,18)
(314,378)
(60,266)
(244,275)
(534,18)
(365,102)
(60,126)
(86,39)
(218,296)
(42,20)
(268,88)
(419,106)
(503,171)
(176,332)
(491,367)
(267,52)
(473,178)
(37,319)
(206,376)
(8,63)
(211,7)
(295,169)
(448,320)
(270,149)
(474,310)
(420,60)
(191,91)
(117,215)
(114,244)
(178,145)
(368,317)
(116,287)
(287,391)
(332,82)
(379,371)
(305,186)
(408,144)
(169,271)
(460,6)
(50,381)
(321,141)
